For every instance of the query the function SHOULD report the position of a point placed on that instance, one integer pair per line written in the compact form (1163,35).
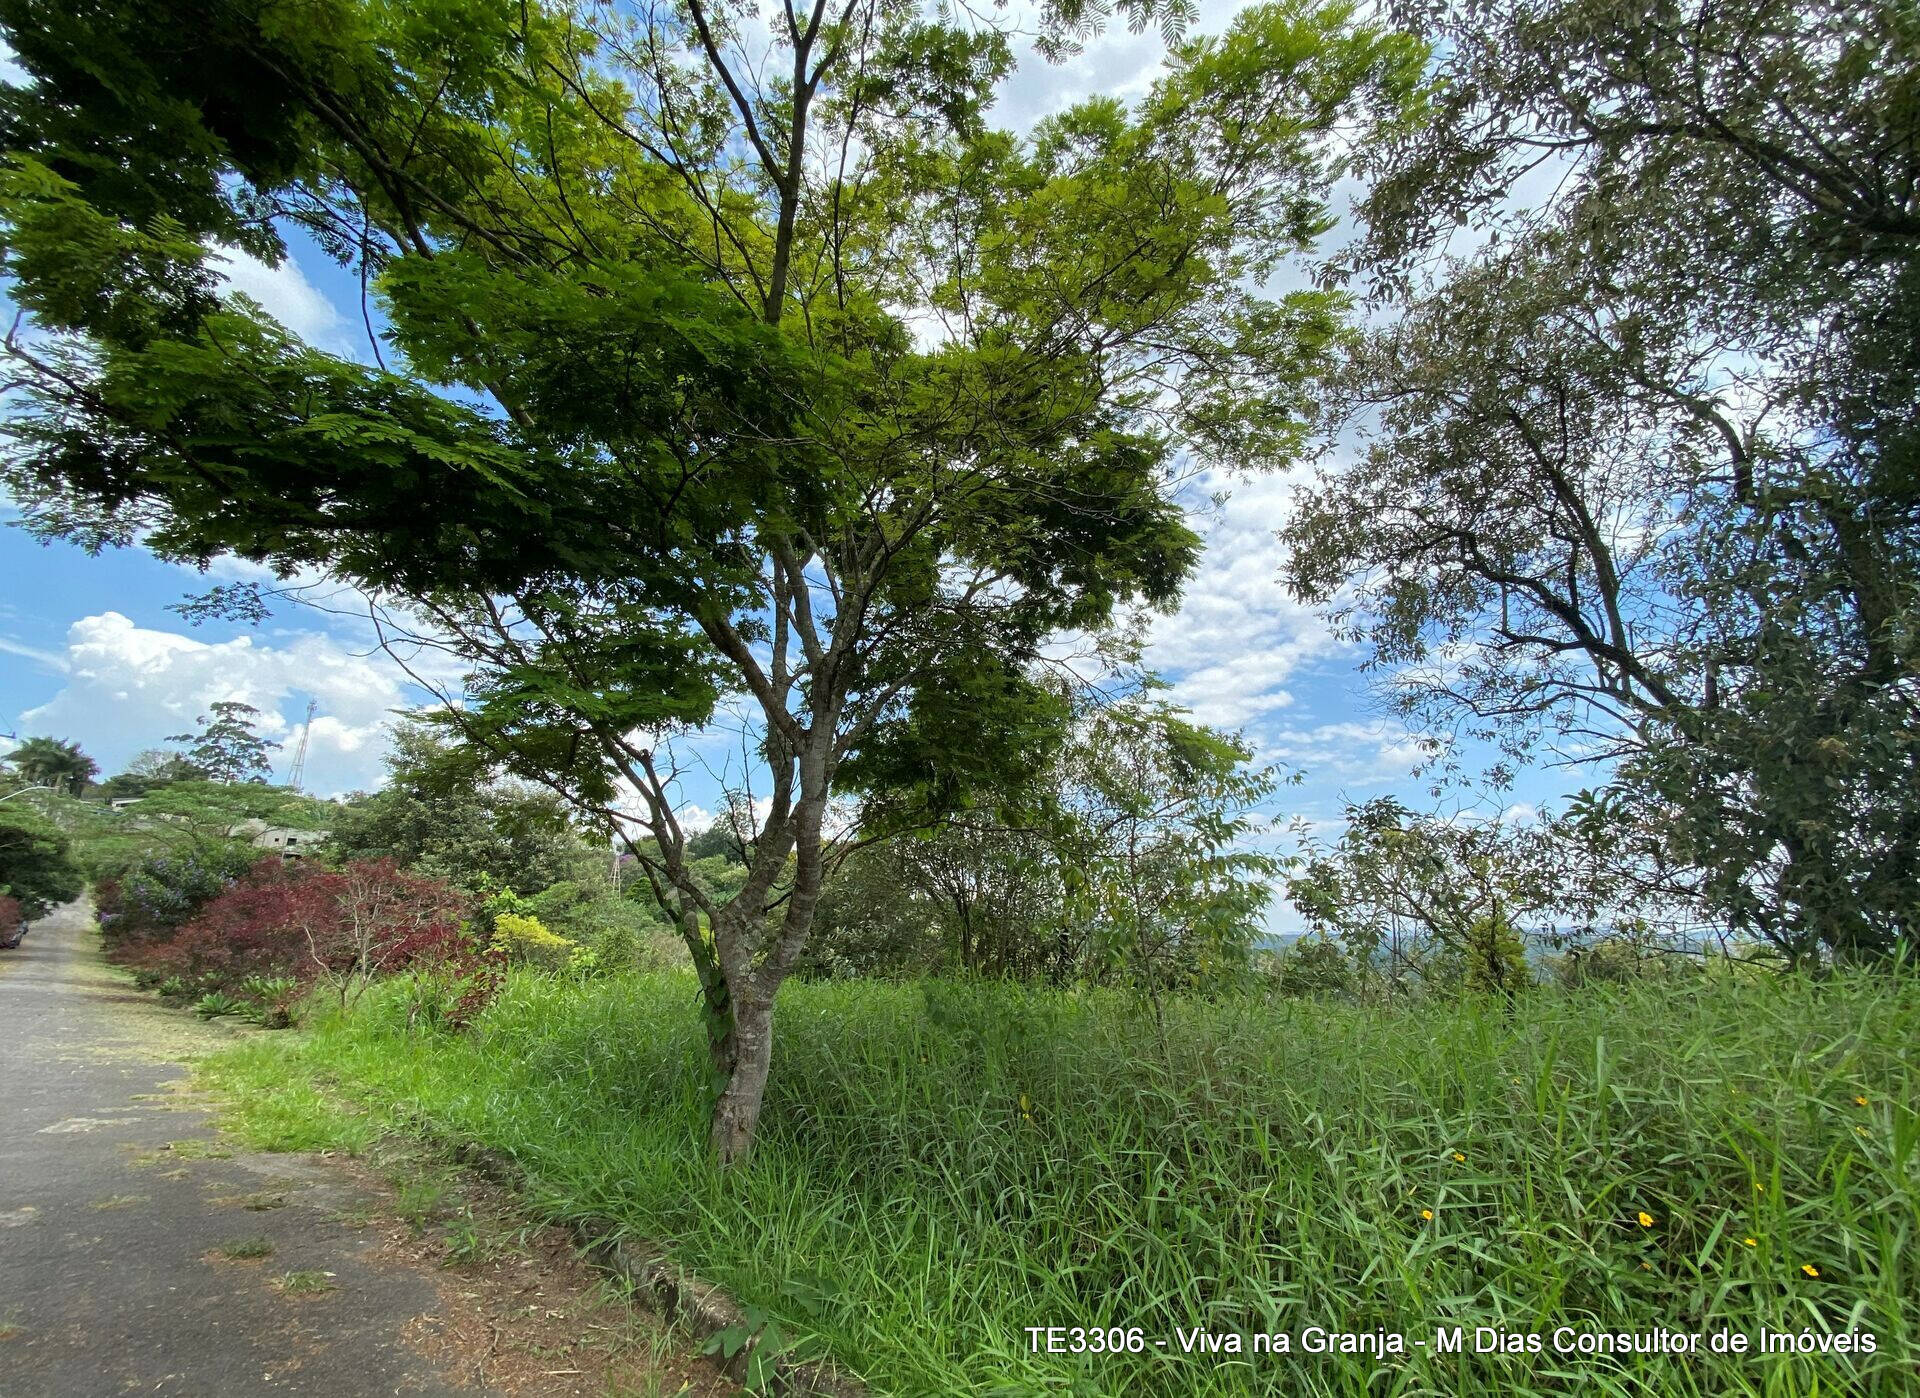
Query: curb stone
(663,1287)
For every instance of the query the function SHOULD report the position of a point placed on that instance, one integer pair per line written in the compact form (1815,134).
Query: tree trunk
(753,965)
(736,1116)
(716,1001)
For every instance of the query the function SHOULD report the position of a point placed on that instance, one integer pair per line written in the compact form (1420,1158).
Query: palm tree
(52,762)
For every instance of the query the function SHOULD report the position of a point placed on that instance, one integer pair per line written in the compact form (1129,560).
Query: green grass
(942,1166)
(247,1249)
(420,1202)
(296,1116)
(304,1283)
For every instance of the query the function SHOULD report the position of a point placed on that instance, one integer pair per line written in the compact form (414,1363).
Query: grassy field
(943,1166)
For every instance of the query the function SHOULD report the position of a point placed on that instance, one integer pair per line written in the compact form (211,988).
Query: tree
(37,868)
(1639,480)
(53,762)
(1130,861)
(1161,865)
(719,839)
(444,813)
(1422,899)
(798,386)
(993,882)
(226,749)
(151,770)
(208,809)
(875,921)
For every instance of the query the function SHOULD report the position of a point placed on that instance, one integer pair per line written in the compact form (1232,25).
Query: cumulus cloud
(285,294)
(1238,636)
(128,687)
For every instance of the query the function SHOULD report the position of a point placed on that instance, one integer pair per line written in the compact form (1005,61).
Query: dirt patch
(520,1311)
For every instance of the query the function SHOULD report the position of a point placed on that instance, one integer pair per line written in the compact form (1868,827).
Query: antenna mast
(300,753)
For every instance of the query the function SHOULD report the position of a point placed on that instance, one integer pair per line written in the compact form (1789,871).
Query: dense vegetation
(37,867)
(421,875)
(780,393)
(694,450)
(945,1164)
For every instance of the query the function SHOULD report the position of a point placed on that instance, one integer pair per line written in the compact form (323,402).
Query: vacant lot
(944,1166)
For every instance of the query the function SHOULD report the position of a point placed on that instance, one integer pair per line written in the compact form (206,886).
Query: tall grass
(944,1165)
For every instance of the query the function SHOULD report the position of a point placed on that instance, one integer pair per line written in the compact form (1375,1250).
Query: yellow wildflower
(1810,1269)
(1427,1214)
(1859,1101)
(1751,1242)
(1646,1219)
(1458,1156)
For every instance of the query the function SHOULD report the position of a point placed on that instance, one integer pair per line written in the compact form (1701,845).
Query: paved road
(115,1197)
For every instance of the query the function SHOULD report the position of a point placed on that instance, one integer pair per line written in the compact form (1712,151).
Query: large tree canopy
(37,867)
(52,762)
(725,359)
(1639,470)
(443,812)
(225,748)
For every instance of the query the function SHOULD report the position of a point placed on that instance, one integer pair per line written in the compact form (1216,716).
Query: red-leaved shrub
(339,926)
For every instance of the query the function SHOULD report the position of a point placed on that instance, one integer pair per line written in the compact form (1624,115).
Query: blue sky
(89,651)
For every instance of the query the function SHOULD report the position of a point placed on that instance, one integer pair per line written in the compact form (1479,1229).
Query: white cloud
(46,659)
(1238,636)
(1380,751)
(285,294)
(1114,63)
(129,687)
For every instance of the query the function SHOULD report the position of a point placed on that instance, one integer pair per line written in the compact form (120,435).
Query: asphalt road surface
(116,1197)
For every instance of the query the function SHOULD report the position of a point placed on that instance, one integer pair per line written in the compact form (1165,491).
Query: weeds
(304,1283)
(247,1249)
(258,1203)
(471,1240)
(420,1201)
(967,1161)
(191,1149)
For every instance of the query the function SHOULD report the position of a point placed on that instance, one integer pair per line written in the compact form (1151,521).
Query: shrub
(214,1004)
(526,941)
(448,996)
(1607,961)
(1313,965)
(269,1000)
(615,929)
(167,891)
(302,924)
